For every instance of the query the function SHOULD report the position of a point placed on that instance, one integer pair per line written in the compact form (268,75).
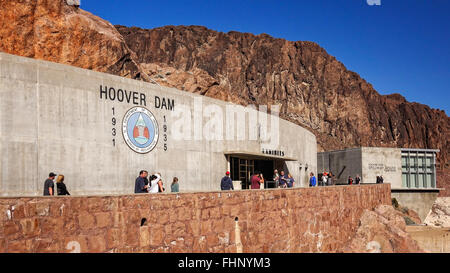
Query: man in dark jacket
(49,186)
(141,184)
(226,184)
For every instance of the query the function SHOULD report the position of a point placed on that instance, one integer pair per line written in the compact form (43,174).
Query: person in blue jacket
(226,183)
(312,180)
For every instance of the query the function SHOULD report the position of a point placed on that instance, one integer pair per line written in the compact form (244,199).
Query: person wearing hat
(226,183)
(49,186)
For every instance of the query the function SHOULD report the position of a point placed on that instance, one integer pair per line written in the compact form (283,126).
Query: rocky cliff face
(382,230)
(314,89)
(57,32)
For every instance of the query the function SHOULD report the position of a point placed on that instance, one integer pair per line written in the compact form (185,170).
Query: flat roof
(402,149)
(419,150)
(255,155)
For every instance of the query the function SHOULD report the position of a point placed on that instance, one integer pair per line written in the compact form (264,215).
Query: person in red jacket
(256,180)
(350,180)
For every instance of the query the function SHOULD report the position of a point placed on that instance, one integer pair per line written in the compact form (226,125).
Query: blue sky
(400,46)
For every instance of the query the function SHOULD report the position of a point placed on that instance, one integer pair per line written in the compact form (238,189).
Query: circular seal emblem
(140,130)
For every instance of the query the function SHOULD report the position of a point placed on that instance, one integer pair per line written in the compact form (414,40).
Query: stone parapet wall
(280,220)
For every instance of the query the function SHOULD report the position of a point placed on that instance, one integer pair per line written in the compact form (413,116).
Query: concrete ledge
(417,190)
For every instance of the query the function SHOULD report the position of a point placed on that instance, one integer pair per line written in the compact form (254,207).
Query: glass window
(412,178)
(429,165)
(418,170)
(404,164)
(404,180)
(421,181)
(432,179)
(414,164)
(421,164)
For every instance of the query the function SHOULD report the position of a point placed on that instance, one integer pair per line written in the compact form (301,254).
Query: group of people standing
(154,185)
(380,179)
(328,179)
(283,180)
(357,180)
(49,185)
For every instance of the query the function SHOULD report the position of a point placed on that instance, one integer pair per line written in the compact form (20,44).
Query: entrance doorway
(242,169)
(266,167)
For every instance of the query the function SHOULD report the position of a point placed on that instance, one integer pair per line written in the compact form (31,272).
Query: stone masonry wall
(279,220)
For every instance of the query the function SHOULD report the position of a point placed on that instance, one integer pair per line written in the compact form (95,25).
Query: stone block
(86,220)
(132,236)
(103,219)
(46,245)
(114,238)
(11,230)
(96,244)
(20,246)
(157,235)
(30,227)
(144,236)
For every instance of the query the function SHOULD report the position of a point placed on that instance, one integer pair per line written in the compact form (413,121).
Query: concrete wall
(431,239)
(368,162)
(279,220)
(382,161)
(419,200)
(342,164)
(52,118)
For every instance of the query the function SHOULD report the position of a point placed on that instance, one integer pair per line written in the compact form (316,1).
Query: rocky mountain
(57,32)
(314,89)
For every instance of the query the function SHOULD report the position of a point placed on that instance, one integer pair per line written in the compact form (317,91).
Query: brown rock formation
(439,215)
(411,216)
(57,32)
(382,230)
(315,90)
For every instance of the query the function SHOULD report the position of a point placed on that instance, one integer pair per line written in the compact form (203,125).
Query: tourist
(226,183)
(160,185)
(276,177)
(60,186)
(324,178)
(330,179)
(175,186)
(256,181)
(283,180)
(357,179)
(155,184)
(312,180)
(290,181)
(49,186)
(141,183)
(350,180)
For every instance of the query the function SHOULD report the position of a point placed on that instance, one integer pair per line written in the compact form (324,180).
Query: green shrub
(408,221)
(395,203)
